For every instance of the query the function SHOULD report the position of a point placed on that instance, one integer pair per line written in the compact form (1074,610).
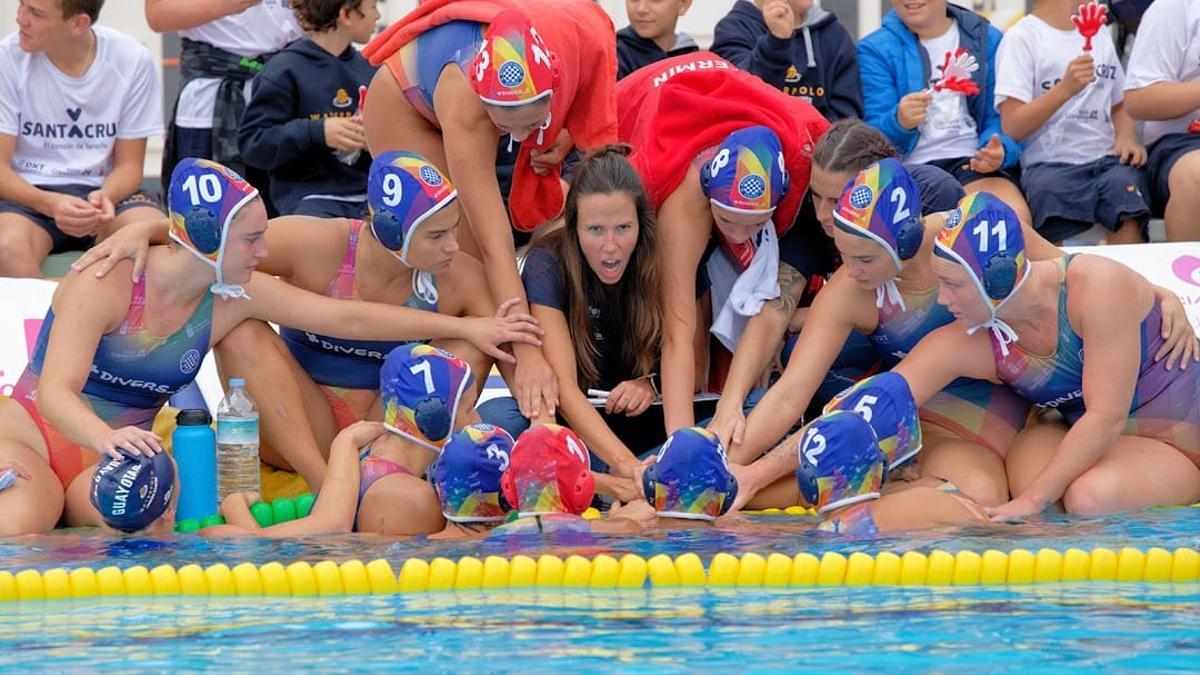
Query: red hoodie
(579,34)
(675,109)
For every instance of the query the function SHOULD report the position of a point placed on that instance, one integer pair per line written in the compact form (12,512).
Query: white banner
(23,305)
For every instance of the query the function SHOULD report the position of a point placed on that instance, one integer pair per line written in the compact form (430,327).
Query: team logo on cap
(752,187)
(511,74)
(954,218)
(861,197)
(430,176)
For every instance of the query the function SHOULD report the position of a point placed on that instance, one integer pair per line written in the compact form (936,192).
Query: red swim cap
(514,66)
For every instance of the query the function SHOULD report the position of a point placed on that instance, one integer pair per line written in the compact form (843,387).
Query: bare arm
(470,143)
(840,308)
(336,505)
(279,302)
(165,16)
(684,224)
(129,156)
(1163,100)
(574,406)
(757,346)
(84,310)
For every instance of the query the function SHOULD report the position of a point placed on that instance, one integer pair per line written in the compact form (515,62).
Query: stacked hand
(1090,19)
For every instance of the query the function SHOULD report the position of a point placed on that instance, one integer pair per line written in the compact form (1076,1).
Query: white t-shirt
(1167,49)
(66,127)
(1032,58)
(948,130)
(266,27)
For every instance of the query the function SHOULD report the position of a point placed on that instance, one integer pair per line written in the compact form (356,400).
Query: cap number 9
(393,189)
(813,445)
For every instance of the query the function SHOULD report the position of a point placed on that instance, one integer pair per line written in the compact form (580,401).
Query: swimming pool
(1041,627)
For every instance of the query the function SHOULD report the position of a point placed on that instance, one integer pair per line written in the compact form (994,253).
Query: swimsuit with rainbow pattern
(336,362)
(419,63)
(974,410)
(134,372)
(1165,405)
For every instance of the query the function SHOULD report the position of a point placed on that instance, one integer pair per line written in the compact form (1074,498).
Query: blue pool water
(1062,626)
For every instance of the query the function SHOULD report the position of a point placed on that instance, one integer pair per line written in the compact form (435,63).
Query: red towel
(677,108)
(580,36)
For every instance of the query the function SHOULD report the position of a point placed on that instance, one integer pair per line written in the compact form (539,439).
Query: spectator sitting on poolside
(801,49)
(650,35)
(901,62)
(77,103)
(303,124)
(1082,162)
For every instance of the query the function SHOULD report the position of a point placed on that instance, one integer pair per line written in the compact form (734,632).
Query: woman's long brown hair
(608,171)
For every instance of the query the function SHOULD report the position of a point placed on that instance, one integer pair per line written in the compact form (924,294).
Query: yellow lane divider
(750,570)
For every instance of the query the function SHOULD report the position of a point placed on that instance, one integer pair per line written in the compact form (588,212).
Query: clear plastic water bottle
(237,442)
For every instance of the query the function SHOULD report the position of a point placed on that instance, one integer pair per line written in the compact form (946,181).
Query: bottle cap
(235,382)
(193,417)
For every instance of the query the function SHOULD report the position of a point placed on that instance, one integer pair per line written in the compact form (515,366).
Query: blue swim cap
(840,462)
(133,491)
(202,201)
(466,476)
(691,477)
(403,190)
(420,387)
(747,175)
(886,403)
(984,236)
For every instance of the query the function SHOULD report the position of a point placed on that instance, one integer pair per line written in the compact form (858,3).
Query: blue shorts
(1067,199)
(960,168)
(62,241)
(1163,154)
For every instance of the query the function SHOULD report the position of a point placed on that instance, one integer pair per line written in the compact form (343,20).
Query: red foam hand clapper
(362,100)
(956,73)
(1090,19)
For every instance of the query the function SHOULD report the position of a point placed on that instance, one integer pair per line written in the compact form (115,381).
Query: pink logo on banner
(1187,268)
(32,328)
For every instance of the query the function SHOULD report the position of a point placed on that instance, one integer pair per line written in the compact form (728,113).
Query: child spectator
(224,45)
(302,123)
(77,103)
(1067,105)
(959,133)
(650,35)
(1163,88)
(801,49)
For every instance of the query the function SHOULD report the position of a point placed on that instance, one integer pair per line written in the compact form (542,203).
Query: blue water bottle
(195,448)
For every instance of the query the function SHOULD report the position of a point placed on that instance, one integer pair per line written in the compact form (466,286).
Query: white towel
(739,297)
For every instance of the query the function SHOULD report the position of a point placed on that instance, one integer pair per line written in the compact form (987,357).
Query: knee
(1184,180)
(17,254)
(985,488)
(248,340)
(1090,495)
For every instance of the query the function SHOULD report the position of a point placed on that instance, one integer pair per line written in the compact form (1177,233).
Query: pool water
(1058,626)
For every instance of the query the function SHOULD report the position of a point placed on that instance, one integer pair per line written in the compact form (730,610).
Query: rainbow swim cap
(513,67)
(747,175)
(882,203)
(984,236)
(202,201)
(403,190)
(691,478)
(840,462)
(886,403)
(466,476)
(420,387)
(133,491)
(549,473)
